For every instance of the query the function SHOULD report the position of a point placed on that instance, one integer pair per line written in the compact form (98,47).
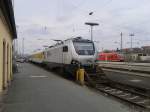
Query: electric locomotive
(71,54)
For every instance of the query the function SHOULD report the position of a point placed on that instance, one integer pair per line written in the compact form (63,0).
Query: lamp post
(91,24)
(23,47)
(120,43)
(131,35)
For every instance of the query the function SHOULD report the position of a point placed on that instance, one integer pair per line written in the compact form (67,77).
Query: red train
(113,57)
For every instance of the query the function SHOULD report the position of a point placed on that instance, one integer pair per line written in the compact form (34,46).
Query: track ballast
(120,91)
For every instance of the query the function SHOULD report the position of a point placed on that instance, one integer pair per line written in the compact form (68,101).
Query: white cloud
(62,19)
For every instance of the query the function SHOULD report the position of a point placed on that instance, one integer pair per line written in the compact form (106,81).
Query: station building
(7,35)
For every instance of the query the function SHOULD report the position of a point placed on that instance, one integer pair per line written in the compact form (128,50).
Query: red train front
(113,57)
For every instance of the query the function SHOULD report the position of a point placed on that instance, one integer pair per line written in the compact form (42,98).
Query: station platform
(37,90)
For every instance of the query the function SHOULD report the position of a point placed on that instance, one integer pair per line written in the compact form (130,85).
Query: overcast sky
(40,21)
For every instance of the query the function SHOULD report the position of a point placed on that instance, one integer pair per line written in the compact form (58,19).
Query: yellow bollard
(80,76)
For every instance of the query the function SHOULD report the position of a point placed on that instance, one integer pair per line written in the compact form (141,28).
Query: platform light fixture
(91,24)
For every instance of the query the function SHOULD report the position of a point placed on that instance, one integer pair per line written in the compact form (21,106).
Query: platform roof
(7,9)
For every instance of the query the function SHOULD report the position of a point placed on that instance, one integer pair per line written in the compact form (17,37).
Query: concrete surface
(126,77)
(36,90)
(141,67)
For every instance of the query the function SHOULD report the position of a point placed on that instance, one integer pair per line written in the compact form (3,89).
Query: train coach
(112,57)
(37,57)
(68,54)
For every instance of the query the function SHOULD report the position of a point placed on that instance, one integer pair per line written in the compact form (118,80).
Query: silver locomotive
(70,54)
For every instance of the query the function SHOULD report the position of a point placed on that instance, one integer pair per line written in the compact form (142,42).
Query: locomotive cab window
(65,48)
(84,48)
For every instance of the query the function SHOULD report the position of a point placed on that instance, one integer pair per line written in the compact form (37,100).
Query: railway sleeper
(120,91)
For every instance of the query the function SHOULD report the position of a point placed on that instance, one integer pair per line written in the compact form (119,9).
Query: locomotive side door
(66,55)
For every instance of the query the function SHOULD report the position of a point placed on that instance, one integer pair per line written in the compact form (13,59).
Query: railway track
(119,91)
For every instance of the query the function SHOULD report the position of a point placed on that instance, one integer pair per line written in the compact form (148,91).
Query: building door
(10,64)
(4,66)
(7,62)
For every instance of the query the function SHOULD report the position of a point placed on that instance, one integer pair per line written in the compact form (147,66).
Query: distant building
(133,50)
(146,49)
(7,34)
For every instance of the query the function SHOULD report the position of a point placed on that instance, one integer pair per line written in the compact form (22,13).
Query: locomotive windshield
(84,48)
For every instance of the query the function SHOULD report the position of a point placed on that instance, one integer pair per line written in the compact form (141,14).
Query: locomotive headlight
(89,61)
(74,62)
